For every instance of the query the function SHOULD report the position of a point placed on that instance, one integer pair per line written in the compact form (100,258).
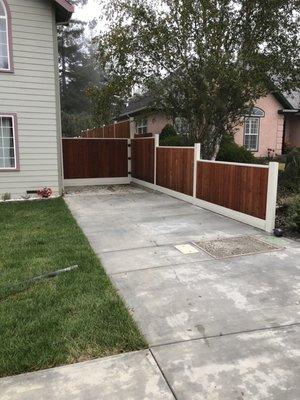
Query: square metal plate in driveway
(186,248)
(235,246)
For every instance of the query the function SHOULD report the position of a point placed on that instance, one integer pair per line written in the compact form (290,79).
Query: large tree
(78,73)
(204,60)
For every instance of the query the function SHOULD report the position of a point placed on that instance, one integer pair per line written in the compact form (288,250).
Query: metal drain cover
(235,246)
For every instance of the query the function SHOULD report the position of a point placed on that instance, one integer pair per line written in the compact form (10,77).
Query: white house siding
(32,93)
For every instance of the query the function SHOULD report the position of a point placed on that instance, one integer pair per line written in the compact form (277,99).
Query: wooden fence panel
(175,169)
(142,159)
(118,130)
(238,187)
(122,129)
(95,158)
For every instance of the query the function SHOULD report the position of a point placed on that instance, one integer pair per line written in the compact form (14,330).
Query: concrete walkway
(218,329)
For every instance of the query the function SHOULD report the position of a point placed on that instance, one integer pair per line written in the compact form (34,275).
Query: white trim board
(234,163)
(97,181)
(236,215)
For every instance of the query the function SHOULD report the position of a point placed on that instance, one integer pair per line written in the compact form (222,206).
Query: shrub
(291,175)
(168,131)
(176,140)
(232,152)
(293,214)
(73,124)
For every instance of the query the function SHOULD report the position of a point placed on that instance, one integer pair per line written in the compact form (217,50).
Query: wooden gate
(95,161)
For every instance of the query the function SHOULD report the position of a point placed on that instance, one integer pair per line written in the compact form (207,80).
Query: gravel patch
(235,246)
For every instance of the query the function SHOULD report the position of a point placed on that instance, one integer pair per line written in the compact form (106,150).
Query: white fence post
(271,196)
(156,144)
(197,157)
(132,127)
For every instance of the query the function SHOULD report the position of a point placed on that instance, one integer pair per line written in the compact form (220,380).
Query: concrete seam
(160,266)
(270,328)
(163,375)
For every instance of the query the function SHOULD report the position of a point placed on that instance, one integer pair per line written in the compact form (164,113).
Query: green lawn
(72,317)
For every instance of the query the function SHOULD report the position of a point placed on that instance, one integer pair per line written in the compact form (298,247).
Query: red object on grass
(44,193)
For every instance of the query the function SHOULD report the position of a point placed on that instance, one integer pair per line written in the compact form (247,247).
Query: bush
(73,124)
(176,140)
(290,178)
(232,152)
(293,214)
(168,131)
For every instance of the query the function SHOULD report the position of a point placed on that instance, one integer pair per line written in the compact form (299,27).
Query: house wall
(31,92)
(292,130)
(271,127)
(157,122)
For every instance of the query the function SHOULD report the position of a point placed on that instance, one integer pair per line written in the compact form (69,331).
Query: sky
(89,12)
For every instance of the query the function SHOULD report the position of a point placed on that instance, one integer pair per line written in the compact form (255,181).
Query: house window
(5,62)
(8,159)
(142,126)
(251,133)
(251,128)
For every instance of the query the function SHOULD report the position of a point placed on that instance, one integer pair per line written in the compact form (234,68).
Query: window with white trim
(4,39)
(142,126)
(7,142)
(252,127)
(251,133)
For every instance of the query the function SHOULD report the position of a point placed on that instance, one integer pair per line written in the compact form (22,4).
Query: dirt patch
(102,190)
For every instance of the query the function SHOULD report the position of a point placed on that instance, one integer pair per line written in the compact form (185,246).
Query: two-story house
(30,128)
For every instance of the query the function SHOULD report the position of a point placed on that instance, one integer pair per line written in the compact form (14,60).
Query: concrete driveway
(218,329)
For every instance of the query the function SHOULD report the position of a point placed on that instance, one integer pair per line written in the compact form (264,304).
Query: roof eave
(63,11)
(283,100)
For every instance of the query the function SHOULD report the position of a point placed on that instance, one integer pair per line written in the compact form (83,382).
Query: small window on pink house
(5,38)
(251,128)
(142,126)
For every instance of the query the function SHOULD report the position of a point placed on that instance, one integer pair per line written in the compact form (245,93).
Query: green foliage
(168,131)
(73,124)
(291,174)
(78,72)
(293,214)
(231,151)
(175,140)
(106,104)
(204,61)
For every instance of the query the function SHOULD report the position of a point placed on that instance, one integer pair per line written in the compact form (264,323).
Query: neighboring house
(274,123)
(30,128)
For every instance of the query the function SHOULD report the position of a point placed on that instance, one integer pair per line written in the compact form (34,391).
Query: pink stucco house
(273,124)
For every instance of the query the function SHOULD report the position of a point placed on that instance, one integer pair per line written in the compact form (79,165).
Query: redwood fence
(245,192)
(117,130)
(237,187)
(95,158)
(175,168)
(142,159)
